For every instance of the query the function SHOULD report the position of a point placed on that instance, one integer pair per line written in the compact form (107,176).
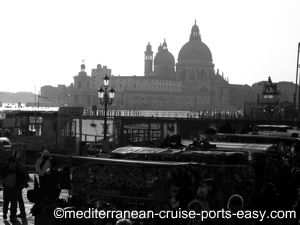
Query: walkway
(28,205)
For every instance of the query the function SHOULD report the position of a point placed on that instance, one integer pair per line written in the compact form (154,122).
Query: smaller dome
(163,56)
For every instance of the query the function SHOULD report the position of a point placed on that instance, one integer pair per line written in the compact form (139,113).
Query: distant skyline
(44,42)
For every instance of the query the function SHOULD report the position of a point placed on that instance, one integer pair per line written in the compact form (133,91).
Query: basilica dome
(195,49)
(164,57)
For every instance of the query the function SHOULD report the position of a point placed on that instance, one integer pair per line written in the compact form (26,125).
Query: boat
(93,124)
(34,129)
(276,130)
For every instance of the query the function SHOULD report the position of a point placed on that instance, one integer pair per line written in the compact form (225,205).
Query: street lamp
(38,103)
(106,98)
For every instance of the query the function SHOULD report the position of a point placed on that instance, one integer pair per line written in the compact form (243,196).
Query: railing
(90,137)
(201,114)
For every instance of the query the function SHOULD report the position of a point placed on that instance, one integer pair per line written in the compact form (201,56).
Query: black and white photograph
(150,112)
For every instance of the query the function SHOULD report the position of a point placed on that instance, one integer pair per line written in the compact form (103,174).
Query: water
(89,132)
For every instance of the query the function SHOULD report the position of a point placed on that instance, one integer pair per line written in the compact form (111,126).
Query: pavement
(28,205)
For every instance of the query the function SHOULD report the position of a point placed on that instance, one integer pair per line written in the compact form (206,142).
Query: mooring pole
(297,71)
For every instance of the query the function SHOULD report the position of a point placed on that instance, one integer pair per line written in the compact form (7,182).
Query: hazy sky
(43,42)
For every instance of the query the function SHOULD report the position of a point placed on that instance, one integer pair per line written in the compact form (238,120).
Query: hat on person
(45,152)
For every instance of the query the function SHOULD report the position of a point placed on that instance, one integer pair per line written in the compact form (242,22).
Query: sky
(44,42)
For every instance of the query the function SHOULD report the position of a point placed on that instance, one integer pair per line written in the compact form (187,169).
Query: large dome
(195,49)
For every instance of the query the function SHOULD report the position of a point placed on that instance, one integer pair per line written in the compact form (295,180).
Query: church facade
(191,83)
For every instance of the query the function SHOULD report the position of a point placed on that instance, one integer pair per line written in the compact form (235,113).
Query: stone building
(286,90)
(191,83)
(54,96)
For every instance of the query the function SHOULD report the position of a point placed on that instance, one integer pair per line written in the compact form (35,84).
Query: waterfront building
(286,90)
(273,100)
(190,84)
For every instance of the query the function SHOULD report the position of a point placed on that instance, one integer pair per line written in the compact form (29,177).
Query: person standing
(11,180)
(22,184)
(42,167)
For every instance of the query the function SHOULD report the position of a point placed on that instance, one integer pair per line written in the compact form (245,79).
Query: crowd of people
(15,178)
(277,188)
(277,192)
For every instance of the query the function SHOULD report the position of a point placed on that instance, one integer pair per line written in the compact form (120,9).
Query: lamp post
(39,96)
(106,98)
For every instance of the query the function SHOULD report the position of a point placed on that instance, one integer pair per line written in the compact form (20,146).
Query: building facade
(189,84)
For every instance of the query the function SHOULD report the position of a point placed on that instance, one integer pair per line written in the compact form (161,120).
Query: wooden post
(149,131)
(297,71)
(161,131)
(296,85)
(80,129)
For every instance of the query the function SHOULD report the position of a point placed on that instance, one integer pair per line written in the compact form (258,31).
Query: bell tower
(148,60)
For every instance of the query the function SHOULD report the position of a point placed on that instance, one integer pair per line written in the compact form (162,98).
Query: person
(52,181)
(23,184)
(296,207)
(202,193)
(269,198)
(12,177)
(7,133)
(42,167)
(269,201)
(295,155)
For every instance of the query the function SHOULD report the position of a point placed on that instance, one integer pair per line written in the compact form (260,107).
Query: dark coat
(20,178)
